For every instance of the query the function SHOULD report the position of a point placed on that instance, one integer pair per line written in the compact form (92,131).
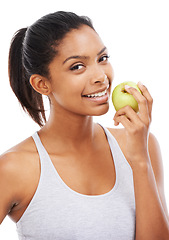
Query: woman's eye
(104,58)
(77,67)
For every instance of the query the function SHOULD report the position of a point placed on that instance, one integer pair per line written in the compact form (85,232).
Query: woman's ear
(40,84)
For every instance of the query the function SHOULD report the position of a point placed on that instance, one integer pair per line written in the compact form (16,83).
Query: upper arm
(157,165)
(8,184)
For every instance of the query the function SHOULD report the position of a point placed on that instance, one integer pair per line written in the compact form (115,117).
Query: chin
(101,111)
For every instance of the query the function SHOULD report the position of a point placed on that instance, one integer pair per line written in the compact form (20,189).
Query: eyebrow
(83,57)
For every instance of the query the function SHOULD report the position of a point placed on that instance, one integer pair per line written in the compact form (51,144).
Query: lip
(99,100)
(99,90)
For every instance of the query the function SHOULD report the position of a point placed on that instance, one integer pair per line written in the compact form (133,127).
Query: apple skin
(121,98)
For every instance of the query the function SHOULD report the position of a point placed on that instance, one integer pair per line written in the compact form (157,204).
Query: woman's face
(81,74)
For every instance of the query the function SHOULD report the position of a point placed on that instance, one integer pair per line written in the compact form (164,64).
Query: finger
(129,113)
(124,121)
(142,103)
(148,96)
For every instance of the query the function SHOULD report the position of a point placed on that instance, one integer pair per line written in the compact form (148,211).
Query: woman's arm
(151,212)
(6,190)
(10,183)
(157,165)
(143,154)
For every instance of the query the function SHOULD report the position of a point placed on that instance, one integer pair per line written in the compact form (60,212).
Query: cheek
(110,73)
(67,90)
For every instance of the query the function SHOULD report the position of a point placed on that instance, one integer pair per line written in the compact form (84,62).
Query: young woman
(75,179)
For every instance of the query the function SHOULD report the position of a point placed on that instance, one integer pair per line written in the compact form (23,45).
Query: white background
(136,34)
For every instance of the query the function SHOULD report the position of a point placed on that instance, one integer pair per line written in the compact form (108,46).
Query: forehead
(80,41)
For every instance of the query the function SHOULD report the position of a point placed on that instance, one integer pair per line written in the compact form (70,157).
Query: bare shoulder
(154,147)
(15,158)
(15,162)
(156,158)
(157,165)
(17,166)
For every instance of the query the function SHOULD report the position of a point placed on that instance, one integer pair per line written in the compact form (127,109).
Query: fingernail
(127,87)
(116,123)
(140,83)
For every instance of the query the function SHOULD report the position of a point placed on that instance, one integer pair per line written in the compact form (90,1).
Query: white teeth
(98,94)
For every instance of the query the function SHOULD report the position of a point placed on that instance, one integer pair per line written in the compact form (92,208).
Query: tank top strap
(43,155)
(120,160)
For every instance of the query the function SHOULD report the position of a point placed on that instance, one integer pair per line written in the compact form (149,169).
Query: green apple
(121,98)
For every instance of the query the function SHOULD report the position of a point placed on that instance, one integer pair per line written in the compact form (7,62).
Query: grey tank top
(57,212)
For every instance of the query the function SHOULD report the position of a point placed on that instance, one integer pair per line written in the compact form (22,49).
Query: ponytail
(30,100)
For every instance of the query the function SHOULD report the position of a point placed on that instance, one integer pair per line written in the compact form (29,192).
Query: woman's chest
(89,174)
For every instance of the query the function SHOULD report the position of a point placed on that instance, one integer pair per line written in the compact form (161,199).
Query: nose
(99,76)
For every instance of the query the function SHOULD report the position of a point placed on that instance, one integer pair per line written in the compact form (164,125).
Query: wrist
(141,164)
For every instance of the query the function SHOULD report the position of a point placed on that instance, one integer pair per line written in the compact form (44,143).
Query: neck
(72,130)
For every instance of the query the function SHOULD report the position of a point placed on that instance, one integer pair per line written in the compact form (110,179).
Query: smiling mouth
(95,95)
